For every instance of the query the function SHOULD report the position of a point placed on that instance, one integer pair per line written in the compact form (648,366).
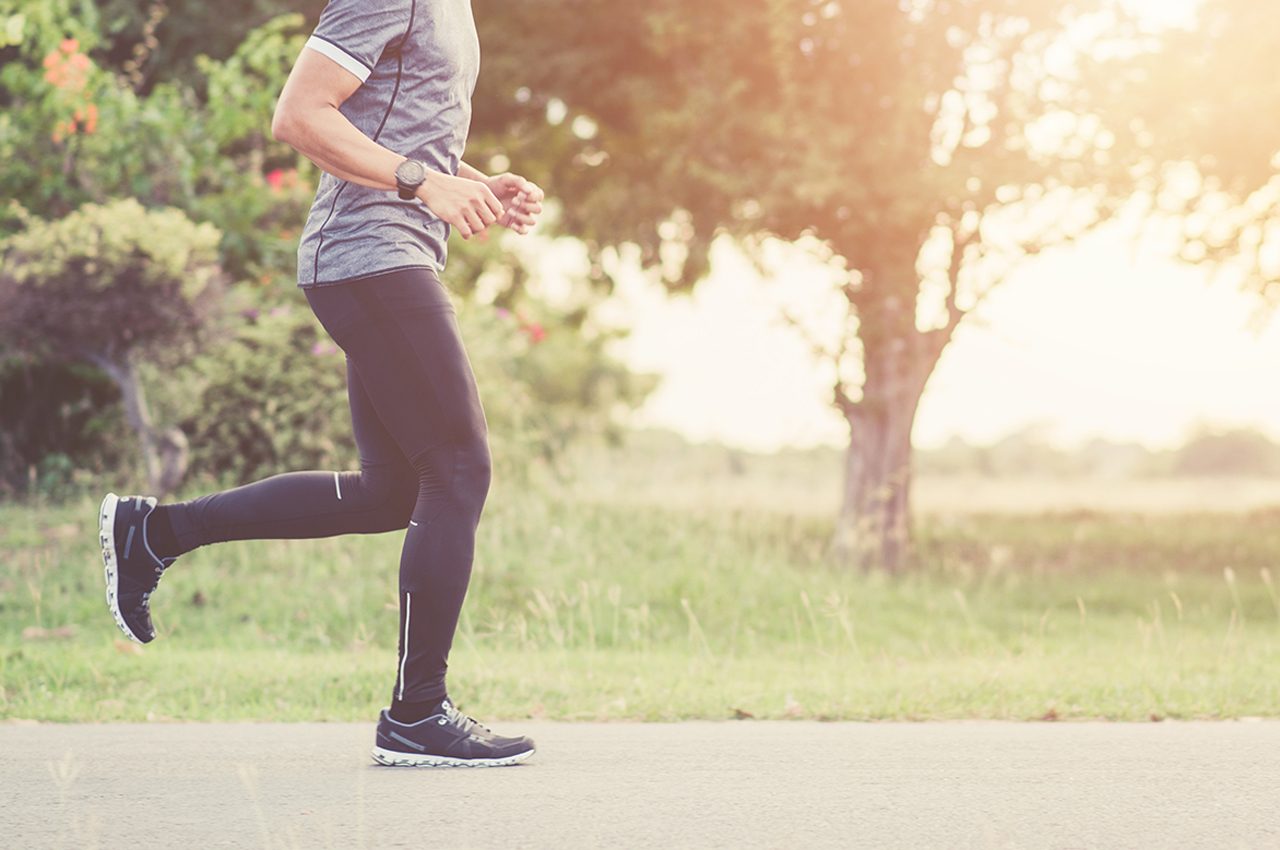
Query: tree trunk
(164,451)
(873,529)
(874,526)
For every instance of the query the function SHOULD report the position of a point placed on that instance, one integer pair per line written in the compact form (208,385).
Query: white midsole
(107,537)
(393,758)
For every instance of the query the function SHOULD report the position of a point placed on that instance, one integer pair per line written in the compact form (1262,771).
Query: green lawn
(588,603)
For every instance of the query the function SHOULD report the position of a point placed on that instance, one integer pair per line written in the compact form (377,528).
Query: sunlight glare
(1165,13)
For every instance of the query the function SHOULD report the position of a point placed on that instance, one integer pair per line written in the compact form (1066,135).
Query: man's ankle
(403,711)
(160,535)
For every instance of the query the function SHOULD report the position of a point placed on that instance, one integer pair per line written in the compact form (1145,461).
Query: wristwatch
(410,174)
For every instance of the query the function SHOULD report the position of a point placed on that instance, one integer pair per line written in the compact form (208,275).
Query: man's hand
(468,205)
(521,201)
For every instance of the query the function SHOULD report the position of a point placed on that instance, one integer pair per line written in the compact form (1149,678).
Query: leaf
(39,633)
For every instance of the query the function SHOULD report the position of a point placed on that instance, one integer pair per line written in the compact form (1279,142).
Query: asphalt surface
(732,784)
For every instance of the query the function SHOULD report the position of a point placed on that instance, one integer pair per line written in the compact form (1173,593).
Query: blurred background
(883,334)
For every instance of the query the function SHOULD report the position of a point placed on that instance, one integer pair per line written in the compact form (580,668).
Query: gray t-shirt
(418,60)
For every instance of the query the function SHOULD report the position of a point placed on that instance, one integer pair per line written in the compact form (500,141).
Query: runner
(380,99)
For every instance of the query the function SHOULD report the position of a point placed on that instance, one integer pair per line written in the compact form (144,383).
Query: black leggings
(424,462)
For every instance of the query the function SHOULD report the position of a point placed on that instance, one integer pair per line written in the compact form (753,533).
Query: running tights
(424,462)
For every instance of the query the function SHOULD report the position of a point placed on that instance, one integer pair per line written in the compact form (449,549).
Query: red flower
(87,118)
(70,73)
(275,179)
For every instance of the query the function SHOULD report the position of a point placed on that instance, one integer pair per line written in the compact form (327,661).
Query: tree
(927,146)
(108,284)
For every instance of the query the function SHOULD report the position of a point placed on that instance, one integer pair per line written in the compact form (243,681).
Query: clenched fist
(468,205)
(521,201)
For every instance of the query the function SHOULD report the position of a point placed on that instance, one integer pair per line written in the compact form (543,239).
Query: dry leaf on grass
(38,633)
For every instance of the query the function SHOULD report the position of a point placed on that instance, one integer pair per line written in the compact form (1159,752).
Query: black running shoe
(448,739)
(132,569)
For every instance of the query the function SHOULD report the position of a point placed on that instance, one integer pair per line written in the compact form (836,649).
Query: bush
(105,280)
(271,397)
(60,425)
(1234,452)
(103,286)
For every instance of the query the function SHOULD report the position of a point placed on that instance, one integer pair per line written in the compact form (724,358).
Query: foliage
(74,131)
(1208,104)
(545,379)
(271,397)
(59,423)
(108,279)
(105,285)
(156,42)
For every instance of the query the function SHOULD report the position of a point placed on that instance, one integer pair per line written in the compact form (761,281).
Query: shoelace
(464,722)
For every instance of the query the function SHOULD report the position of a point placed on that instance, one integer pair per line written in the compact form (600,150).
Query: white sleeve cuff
(337,54)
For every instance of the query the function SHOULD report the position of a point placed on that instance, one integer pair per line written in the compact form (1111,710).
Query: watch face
(411,172)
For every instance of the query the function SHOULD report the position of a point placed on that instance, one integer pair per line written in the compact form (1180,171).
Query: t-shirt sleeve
(354,33)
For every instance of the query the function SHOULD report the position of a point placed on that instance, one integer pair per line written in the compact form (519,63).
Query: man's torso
(416,102)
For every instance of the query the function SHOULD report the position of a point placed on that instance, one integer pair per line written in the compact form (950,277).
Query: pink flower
(275,179)
(323,347)
(69,45)
(537,333)
(503,313)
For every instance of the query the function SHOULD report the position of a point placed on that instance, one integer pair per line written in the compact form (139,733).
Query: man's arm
(469,173)
(307,118)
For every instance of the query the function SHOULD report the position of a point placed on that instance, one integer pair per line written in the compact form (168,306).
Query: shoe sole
(107,537)
(391,758)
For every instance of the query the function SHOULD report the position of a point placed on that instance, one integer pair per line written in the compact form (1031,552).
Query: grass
(591,602)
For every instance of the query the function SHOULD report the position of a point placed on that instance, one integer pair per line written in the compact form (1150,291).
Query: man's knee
(394,490)
(457,476)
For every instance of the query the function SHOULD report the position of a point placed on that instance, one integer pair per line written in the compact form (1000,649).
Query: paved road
(731,784)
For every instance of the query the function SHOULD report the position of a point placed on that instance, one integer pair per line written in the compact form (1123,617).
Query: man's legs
(424,466)
(424,463)
(140,538)
(401,335)
(400,332)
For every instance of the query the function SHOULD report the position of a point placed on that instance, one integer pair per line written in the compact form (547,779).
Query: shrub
(104,285)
